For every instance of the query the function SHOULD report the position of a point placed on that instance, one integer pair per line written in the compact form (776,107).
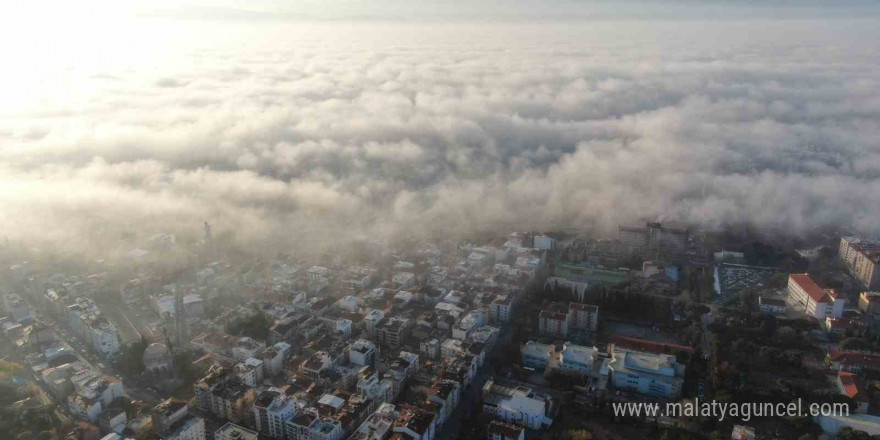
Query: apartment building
(578,358)
(583,316)
(652,374)
(271,410)
(861,259)
(817,302)
(499,309)
(378,425)
(869,302)
(518,405)
(224,394)
(231,431)
(415,424)
(188,427)
(553,323)
(536,355)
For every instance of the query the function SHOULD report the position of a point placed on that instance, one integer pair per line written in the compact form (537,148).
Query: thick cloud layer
(294,133)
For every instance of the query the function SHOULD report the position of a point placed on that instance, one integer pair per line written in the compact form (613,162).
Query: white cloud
(273,129)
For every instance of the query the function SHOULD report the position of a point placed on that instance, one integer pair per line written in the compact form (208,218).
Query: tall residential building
(818,302)
(415,424)
(553,323)
(394,330)
(224,394)
(167,413)
(583,316)
(103,337)
(657,375)
(499,309)
(861,259)
(866,269)
(310,425)
(189,427)
(445,393)
(271,410)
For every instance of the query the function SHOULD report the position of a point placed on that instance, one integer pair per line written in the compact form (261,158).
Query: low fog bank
(294,136)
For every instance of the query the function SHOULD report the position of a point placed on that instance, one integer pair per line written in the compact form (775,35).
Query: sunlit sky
(418,116)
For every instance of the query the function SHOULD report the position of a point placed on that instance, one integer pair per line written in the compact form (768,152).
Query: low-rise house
(850,386)
(771,305)
(499,430)
(853,361)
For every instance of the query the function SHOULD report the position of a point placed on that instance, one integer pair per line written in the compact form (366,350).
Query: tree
(256,327)
(853,344)
(133,357)
(776,281)
(786,335)
(9,367)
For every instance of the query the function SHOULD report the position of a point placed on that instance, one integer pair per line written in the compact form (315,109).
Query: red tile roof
(506,430)
(815,292)
(850,384)
(848,358)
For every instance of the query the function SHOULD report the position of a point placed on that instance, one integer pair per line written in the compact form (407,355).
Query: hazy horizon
(393,118)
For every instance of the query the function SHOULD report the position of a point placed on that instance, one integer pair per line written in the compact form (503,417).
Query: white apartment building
(657,375)
(274,357)
(247,348)
(771,305)
(473,319)
(499,310)
(583,316)
(103,337)
(317,273)
(536,355)
(818,302)
(553,323)
(372,320)
(271,410)
(516,405)
(578,358)
(379,390)
(188,428)
(378,425)
(311,426)
(231,431)
(363,352)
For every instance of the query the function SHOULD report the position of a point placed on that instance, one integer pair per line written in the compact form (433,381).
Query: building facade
(817,302)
